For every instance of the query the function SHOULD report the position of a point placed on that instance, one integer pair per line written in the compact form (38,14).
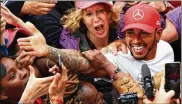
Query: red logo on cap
(138,14)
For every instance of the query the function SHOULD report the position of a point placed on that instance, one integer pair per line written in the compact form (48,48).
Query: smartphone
(59,62)
(172,78)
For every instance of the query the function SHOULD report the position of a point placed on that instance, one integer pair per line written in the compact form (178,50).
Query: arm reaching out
(72,59)
(36,45)
(12,19)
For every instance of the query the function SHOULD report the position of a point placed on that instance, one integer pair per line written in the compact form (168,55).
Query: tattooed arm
(72,59)
(36,45)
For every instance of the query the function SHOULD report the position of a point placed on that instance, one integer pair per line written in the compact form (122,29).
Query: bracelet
(56,101)
(115,72)
(47,63)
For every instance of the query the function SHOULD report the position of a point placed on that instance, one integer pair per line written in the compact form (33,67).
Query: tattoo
(72,59)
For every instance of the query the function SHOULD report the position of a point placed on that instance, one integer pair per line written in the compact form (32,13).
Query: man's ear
(158,34)
(3,96)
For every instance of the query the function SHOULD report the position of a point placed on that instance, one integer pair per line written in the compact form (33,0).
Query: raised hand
(161,96)
(35,87)
(12,19)
(114,47)
(96,58)
(9,17)
(37,7)
(34,45)
(57,87)
(24,60)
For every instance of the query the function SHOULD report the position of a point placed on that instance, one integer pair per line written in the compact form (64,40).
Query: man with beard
(142,36)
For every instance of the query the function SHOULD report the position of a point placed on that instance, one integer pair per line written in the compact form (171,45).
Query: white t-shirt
(128,64)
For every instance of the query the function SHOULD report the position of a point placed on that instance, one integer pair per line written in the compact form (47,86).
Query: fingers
(4,7)
(25,60)
(21,56)
(3,24)
(47,79)
(104,50)
(176,100)
(54,69)
(114,50)
(63,67)
(162,84)
(44,11)
(27,39)
(24,43)
(3,21)
(32,58)
(95,51)
(55,81)
(146,101)
(47,5)
(73,82)
(64,77)
(88,55)
(123,48)
(170,94)
(32,71)
(26,48)
(31,53)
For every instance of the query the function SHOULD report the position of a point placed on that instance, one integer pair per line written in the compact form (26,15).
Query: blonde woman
(91,25)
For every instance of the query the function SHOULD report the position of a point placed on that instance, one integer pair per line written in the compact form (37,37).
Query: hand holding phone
(172,78)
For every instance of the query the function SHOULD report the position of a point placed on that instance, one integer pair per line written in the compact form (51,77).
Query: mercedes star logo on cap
(138,14)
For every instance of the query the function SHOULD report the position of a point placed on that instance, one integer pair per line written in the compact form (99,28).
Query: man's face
(15,80)
(142,44)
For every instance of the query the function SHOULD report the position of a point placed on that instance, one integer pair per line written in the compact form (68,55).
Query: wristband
(115,72)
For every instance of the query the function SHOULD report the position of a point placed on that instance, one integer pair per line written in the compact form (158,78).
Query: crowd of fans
(86,52)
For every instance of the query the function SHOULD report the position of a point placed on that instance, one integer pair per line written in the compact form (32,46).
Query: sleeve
(67,41)
(175,17)
(3,48)
(111,58)
(50,27)
(117,60)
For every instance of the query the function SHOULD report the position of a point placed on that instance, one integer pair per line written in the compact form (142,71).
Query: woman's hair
(73,19)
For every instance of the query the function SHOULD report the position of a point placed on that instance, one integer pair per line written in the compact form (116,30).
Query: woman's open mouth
(99,29)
